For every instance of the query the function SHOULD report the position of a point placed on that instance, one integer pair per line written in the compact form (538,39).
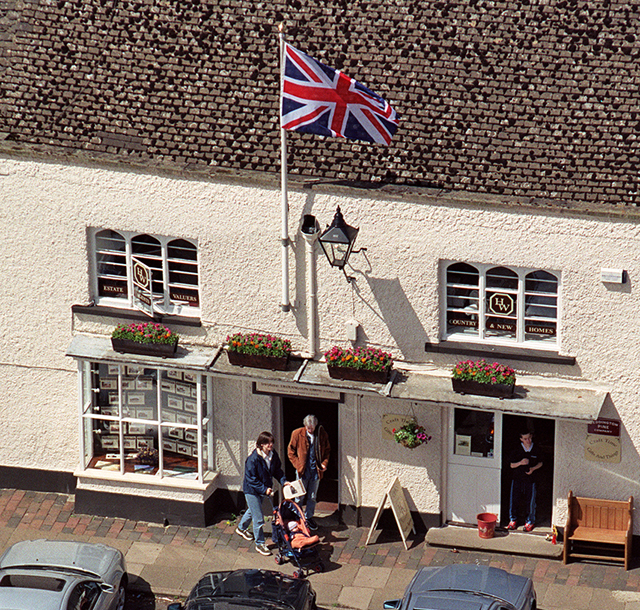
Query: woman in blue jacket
(261,467)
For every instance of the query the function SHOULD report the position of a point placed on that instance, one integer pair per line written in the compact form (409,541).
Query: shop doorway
(294,411)
(543,431)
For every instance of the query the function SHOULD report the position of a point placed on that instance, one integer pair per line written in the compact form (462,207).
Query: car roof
(94,558)
(471,578)
(255,585)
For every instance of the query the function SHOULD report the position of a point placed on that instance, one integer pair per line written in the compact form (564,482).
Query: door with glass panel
(474,463)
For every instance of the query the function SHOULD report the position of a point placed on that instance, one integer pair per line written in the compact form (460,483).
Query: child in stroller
(295,541)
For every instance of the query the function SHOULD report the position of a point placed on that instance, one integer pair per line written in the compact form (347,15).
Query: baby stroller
(295,542)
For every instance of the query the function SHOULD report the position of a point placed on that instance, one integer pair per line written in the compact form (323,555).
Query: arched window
(501,304)
(173,265)
(540,306)
(183,273)
(111,264)
(501,298)
(463,283)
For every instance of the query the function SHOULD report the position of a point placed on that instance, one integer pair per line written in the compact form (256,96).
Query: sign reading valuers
(142,297)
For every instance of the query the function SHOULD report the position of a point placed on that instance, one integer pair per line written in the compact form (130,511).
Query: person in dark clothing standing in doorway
(524,461)
(309,451)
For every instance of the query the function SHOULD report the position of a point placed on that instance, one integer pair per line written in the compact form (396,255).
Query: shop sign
(112,287)
(184,297)
(400,507)
(463,320)
(142,298)
(497,324)
(391,422)
(502,304)
(530,329)
(297,390)
(606,427)
(601,448)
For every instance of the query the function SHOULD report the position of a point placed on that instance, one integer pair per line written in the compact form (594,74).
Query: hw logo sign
(502,304)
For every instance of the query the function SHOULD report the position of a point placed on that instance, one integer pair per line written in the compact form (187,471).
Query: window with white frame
(173,264)
(501,304)
(146,420)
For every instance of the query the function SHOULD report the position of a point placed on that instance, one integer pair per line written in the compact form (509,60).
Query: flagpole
(284,236)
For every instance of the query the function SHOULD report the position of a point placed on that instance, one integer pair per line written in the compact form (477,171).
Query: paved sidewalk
(169,560)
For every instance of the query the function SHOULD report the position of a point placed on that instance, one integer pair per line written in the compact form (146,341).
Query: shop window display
(145,420)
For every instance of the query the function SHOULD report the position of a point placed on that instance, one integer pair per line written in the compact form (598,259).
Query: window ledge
(524,354)
(148,479)
(103,311)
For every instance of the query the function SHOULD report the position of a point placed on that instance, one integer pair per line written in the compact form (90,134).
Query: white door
(474,462)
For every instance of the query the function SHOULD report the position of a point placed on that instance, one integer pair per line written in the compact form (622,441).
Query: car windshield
(32,581)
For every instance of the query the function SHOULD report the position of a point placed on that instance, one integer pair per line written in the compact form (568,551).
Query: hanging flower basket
(411,435)
(366,364)
(148,339)
(259,351)
(483,378)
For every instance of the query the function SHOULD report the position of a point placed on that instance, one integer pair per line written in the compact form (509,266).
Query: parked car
(466,587)
(241,589)
(62,575)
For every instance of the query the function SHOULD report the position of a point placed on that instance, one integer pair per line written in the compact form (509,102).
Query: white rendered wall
(47,208)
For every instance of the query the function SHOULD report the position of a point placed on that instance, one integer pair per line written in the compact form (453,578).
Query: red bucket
(486,524)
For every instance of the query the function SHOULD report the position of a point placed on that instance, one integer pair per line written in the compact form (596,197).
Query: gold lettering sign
(391,421)
(539,330)
(600,448)
(502,304)
(493,325)
(463,322)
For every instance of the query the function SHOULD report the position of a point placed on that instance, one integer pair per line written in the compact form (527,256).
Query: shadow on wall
(399,316)
(598,477)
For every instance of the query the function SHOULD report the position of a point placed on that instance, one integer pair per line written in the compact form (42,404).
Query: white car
(62,575)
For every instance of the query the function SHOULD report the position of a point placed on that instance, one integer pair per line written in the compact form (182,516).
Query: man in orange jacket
(309,452)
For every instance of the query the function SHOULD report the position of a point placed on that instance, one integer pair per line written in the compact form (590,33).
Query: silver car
(466,587)
(62,575)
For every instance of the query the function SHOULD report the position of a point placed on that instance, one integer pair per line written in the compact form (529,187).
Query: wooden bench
(598,529)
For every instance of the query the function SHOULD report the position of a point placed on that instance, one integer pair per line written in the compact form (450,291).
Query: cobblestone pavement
(166,561)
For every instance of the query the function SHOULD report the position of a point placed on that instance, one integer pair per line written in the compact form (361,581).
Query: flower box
(275,363)
(129,346)
(367,364)
(352,374)
(467,386)
(483,378)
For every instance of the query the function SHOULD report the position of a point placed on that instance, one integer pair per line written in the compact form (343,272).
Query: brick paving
(52,514)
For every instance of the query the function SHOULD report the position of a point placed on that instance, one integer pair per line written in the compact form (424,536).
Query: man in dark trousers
(524,461)
(309,451)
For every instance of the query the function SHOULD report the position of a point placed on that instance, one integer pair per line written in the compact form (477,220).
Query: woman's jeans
(254,514)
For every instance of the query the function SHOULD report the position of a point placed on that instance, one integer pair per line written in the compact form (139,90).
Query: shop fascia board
(538,396)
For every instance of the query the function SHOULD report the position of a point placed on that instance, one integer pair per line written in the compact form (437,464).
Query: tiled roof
(537,98)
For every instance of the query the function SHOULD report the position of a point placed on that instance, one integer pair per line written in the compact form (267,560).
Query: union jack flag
(318,99)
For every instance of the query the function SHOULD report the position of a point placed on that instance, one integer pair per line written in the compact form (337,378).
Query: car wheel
(121,596)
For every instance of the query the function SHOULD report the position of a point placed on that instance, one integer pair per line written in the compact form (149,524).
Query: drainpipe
(310,231)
